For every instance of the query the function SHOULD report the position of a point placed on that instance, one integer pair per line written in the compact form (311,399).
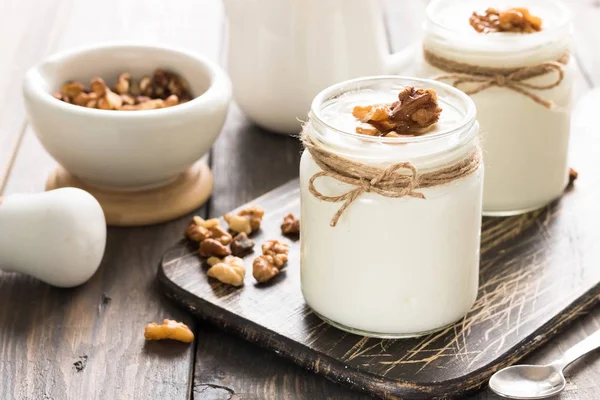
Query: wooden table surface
(87,342)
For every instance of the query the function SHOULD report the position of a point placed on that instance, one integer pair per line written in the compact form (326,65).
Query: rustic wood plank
(29,30)
(87,342)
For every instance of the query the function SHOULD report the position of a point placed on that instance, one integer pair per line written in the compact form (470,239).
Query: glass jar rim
(532,39)
(335,91)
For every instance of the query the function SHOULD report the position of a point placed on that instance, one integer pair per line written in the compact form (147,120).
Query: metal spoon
(540,381)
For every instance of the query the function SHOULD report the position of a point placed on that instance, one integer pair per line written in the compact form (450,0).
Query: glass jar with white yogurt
(525,123)
(392,266)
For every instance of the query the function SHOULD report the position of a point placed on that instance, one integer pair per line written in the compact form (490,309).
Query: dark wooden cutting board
(539,271)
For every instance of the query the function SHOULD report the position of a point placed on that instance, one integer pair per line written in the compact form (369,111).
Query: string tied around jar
(473,79)
(396,181)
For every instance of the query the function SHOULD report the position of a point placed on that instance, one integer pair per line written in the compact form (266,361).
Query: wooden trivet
(539,271)
(144,207)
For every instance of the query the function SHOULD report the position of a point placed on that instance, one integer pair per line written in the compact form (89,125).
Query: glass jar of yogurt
(524,115)
(391,267)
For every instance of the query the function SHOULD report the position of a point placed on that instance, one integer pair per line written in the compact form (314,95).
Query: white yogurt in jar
(525,144)
(392,267)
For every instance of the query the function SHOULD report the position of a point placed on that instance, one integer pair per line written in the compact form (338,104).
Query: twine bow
(387,183)
(513,79)
(392,182)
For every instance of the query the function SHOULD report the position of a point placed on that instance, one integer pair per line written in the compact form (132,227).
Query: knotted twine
(398,180)
(511,78)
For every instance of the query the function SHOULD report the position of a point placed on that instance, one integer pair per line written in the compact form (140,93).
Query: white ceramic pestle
(58,236)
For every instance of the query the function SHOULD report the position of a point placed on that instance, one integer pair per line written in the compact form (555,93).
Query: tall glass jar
(391,267)
(525,123)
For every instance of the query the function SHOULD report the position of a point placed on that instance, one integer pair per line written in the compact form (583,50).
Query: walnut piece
(238,223)
(518,20)
(164,89)
(241,245)
(255,213)
(247,220)
(290,225)
(198,228)
(277,250)
(264,268)
(415,110)
(169,330)
(212,247)
(230,270)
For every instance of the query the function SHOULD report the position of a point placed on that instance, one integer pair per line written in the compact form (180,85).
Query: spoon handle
(588,344)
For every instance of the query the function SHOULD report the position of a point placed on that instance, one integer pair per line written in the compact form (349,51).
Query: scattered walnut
(264,269)
(277,250)
(169,330)
(212,247)
(247,220)
(200,229)
(238,223)
(517,20)
(256,214)
(290,225)
(415,110)
(231,270)
(241,246)
(219,233)
(197,229)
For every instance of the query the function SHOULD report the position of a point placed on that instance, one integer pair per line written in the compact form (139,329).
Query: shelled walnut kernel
(169,330)
(415,110)
(264,268)
(230,270)
(163,89)
(290,225)
(213,248)
(247,220)
(518,20)
(241,245)
(277,250)
(200,229)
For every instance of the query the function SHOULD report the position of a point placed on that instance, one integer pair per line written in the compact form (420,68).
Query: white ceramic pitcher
(281,53)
